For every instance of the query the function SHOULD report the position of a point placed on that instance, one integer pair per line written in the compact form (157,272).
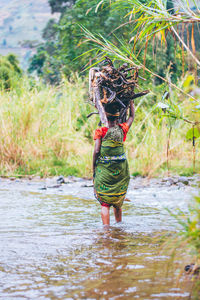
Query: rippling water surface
(53,245)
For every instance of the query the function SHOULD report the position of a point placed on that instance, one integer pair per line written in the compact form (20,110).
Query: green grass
(44,131)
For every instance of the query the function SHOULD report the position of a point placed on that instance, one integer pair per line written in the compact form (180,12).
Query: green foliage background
(56,103)
(65,42)
(10,71)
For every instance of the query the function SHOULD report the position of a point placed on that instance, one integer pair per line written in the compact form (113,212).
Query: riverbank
(64,184)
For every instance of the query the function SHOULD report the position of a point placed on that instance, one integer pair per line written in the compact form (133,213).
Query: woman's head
(112,116)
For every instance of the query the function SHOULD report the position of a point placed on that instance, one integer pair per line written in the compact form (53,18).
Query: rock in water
(60,180)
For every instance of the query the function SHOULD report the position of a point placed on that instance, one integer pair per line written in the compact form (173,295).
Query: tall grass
(44,131)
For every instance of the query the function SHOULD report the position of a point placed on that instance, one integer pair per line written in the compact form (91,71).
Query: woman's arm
(131,115)
(96,153)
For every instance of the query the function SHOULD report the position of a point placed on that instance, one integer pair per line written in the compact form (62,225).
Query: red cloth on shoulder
(125,129)
(101,132)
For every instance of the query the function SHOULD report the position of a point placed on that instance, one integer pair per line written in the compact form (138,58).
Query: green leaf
(191,133)
(188,81)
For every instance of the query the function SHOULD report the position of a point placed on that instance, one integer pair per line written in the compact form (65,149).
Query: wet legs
(105,215)
(118,214)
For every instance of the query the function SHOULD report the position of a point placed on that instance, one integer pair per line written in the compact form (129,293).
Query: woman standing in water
(110,166)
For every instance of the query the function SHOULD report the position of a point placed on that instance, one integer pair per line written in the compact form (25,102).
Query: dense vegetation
(45,151)
(65,41)
(10,71)
(44,131)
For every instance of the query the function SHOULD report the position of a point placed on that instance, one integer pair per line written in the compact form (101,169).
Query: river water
(53,245)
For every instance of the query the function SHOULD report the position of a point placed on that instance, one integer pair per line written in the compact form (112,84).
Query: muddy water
(53,245)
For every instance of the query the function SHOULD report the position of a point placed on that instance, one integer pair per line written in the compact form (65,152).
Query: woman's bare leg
(118,214)
(105,215)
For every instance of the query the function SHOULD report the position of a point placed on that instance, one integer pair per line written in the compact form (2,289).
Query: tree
(38,60)
(64,41)
(10,72)
(50,30)
(153,22)
(14,62)
(60,5)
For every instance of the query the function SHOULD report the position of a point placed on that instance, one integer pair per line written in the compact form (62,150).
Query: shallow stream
(53,245)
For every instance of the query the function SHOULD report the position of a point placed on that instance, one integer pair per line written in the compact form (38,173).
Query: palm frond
(123,53)
(154,18)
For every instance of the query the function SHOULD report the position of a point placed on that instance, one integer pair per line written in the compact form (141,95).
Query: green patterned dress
(112,173)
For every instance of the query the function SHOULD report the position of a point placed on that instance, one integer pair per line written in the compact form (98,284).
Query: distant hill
(21,24)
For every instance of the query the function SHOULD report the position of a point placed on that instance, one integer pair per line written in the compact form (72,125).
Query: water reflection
(53,246)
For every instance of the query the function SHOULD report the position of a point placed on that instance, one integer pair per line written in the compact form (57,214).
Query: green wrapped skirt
(112,173)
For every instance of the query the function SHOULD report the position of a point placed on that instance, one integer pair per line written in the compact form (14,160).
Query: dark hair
(112,118)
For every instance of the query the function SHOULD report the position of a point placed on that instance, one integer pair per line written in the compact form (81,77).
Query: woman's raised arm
(131,115)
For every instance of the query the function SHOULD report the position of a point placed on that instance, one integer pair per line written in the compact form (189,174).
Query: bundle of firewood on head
(111,89)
